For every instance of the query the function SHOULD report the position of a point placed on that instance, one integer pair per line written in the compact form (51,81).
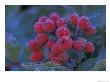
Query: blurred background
(19,21)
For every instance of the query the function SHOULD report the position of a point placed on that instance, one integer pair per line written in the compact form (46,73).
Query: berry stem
(76,32)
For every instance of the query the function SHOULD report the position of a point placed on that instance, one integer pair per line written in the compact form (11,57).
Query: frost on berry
(54,16)
(83,22)
(66,42)
(42,38)
(43,19)
(36,56)
(61,22)
(61,32)
(89,48)
(39,27)
(54,33)
(49,26)
(34,46)
(59,59)
(74,18)
(56,49)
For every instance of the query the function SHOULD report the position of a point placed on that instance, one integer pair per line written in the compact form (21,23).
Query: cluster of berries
(57,25)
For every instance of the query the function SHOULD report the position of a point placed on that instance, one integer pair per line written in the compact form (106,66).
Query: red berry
(89,48)
(78,45)
(54,58)
(34,46)
(63,57)
(61,32)
(43,19)
(38,27)
(74,18)
(42,38)
(61,47)
(58,59)
(83,22)
(61,22)
(66,42)
(55,49)
(90,31)
(49,26)
(36,56)
(50,43)
(54,16)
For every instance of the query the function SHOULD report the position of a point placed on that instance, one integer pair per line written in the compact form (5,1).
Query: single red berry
(38,27)
(61,32)
(89,48)
(61,22)
(66,42)
(61,47)
(74,18)
(49,26)
(78,45)
(55,49)
(50,43)
(36,56)
(43,19)
(83,22)
(54,16)
(42,38)
(34,46)
(90,31)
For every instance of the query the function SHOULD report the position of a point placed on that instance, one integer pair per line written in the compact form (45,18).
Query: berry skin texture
(61,22)
(66,42)
(36,56)
(50,43)
(53,58)
(54,16)
(49,26)
(90,31)
(74,18)
(89,48)
(34,46)
(38,27)
(55,49)
(63,57)
(43,19)
(78,45)
(58,59)
(63,31)
(83,22)
(42,38)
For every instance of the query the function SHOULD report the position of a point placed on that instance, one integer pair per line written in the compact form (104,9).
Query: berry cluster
(64,40)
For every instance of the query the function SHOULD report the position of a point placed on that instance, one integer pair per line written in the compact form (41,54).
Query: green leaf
(101,61)
(12,51)
(87,65)
(100,65)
